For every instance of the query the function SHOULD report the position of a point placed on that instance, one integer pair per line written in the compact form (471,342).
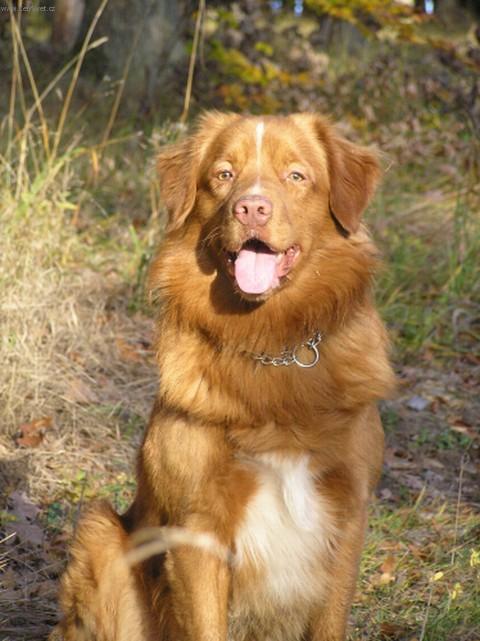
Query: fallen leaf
(420,552)
(396,459)
(32,434)
(129,352)
(77,357)
(472,358)
(389,564)
(391,630)
(386,578)
(437,576)
(432,462)
(474,558)
(462,427)
(386,572)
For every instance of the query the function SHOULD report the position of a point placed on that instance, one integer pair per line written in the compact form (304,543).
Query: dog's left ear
(354,175)
(354,172)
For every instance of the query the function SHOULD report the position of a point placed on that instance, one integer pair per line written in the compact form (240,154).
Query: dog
(265,438)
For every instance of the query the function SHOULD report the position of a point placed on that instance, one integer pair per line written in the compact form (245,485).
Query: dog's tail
(102,594)
(99,596)
(148,542)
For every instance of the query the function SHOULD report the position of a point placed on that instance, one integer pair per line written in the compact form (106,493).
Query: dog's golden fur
(277,463)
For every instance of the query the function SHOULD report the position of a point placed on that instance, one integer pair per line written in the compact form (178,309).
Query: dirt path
(433,434)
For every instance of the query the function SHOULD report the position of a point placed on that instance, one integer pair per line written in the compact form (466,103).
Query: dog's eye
(296,176)
(225,175)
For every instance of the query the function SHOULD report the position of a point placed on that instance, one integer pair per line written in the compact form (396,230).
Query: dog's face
(267,192)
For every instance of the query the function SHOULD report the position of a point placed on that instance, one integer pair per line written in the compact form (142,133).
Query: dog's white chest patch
(285,530)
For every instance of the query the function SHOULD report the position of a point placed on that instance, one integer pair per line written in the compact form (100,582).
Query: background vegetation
(89,92)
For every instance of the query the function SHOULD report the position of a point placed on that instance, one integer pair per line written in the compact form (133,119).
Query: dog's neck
(197,293)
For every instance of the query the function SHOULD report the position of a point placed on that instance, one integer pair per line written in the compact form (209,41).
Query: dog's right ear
(177,171)
(178,166)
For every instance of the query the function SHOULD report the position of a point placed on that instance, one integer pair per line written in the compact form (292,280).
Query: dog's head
(266,192)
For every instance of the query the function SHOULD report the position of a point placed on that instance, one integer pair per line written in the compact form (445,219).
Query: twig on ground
(457,508)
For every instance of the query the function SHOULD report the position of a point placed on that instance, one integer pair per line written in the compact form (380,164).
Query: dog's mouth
(258,268)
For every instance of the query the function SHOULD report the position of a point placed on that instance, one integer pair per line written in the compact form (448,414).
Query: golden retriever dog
(265,443)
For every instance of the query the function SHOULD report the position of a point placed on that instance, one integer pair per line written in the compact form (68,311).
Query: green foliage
(266,69)
(234,62)
(433,309)
(247,78)
(421,566)
(356,11)
(445,440)
(265,48)
(86,487)
(390,419)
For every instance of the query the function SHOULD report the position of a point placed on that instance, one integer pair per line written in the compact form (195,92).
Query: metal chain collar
(290,356)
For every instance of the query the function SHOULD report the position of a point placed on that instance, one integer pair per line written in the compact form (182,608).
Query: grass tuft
(421,567)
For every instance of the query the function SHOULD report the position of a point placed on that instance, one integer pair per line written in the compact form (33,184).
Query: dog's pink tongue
(255,272)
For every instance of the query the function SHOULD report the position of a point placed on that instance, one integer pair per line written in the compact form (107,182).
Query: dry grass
(67,339)
(75,347)
(75,344)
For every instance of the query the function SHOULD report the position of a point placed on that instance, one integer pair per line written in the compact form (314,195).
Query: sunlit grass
(429,289)
(420,574)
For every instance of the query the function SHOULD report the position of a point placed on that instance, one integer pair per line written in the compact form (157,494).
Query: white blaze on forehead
(259,131)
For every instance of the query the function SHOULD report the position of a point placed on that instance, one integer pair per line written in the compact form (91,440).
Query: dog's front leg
(200,584)
(188,477)
(329,620)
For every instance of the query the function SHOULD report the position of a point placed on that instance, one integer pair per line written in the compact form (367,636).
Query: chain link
(289,356)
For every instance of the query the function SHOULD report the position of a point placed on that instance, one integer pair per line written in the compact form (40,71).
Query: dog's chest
(283,536)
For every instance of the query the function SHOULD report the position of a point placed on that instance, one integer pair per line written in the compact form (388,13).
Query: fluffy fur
(276,463)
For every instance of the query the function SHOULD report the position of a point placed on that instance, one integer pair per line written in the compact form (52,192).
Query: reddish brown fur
(224,426)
